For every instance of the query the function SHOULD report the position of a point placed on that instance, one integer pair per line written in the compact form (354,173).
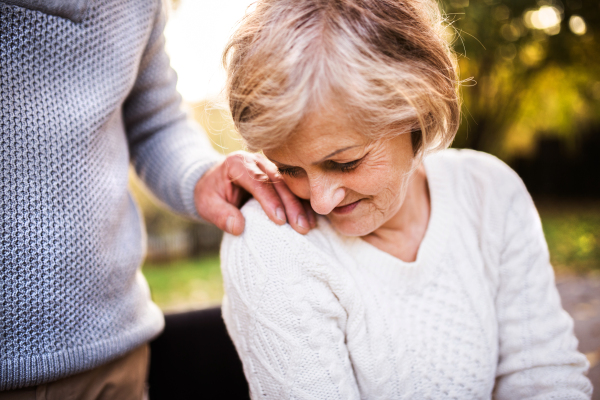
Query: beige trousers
(121,379)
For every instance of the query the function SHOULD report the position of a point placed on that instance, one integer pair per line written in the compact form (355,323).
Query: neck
(402,235)
(416,207)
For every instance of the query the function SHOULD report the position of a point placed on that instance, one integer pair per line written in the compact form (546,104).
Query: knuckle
(277,178)
(236,160)
(234,157)
(262,178)
(257,174)
(235,171)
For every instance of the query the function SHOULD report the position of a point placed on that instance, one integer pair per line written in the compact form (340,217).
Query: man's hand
(225,187)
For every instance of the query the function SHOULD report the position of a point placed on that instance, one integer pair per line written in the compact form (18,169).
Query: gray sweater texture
(85,90)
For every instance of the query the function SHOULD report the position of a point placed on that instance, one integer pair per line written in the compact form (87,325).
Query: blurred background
(531,90)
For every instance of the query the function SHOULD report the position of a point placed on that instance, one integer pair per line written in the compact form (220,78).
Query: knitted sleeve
(282,315)
(538,357)
(168,151)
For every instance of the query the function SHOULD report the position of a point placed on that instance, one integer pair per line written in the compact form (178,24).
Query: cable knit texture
(476,316)
(78,102)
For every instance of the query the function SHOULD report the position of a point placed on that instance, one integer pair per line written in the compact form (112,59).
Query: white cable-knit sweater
(476,316)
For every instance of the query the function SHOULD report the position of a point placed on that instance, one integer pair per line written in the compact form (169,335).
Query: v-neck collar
(433,245)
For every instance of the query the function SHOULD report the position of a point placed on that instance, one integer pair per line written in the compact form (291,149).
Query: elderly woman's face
(357,183)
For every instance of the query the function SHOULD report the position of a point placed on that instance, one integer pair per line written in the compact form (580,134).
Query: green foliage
(529,81)
(573,236)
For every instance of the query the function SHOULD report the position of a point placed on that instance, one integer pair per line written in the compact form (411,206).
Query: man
(86,89)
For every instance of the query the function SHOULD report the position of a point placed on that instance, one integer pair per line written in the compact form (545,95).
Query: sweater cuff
(190,178)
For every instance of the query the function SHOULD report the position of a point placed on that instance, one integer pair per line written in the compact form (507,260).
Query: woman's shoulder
(482,192)
(277,246)
(475,163)
(258,225)
(271,267)
(470,170)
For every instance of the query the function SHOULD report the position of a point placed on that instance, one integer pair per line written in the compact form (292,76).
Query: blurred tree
(536,70)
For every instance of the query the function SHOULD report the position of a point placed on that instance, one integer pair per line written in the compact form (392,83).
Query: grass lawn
(572,232)
(185,284)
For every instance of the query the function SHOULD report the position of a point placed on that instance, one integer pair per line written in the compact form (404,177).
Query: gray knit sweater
(85,90)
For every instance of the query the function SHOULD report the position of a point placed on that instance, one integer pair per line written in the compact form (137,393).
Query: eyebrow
(282,165)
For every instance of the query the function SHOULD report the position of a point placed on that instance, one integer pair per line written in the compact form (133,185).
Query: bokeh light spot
(501,12)
(546,18)
(510,32)
(577,25)
(508,51)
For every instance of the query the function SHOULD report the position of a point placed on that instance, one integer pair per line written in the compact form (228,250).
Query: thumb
(224,215)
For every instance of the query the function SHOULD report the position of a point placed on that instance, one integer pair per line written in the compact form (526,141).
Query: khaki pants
(121,379)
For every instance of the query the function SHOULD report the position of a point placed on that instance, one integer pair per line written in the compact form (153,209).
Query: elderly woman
(428,275)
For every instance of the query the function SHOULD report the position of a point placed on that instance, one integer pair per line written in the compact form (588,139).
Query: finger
(224,215)
(295,211)
(254,180)
(310,213)
(235,194)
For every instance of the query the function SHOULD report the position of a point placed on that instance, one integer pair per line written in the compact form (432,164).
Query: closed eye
(349,166)
(346,167)
(331,165)
(293,172)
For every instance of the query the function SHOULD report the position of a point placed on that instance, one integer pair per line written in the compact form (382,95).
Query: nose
(325,196)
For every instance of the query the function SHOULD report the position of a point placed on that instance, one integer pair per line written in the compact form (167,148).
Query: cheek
(375,179)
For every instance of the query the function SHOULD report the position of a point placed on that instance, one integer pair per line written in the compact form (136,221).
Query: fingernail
(280,214)
(302,222)
(229,224)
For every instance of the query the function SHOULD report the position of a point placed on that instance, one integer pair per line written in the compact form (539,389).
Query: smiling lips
(346,209)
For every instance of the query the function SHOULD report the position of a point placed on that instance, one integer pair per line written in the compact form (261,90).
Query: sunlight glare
(196,34)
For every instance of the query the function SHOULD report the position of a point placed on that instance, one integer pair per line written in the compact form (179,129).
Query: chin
(352,226)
